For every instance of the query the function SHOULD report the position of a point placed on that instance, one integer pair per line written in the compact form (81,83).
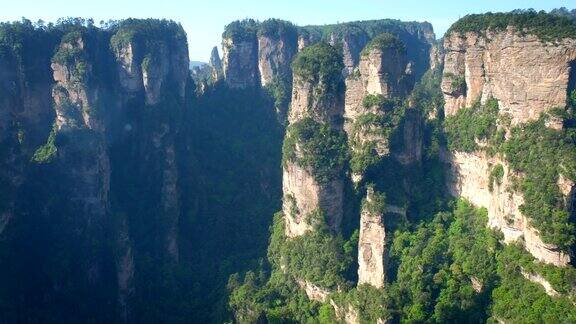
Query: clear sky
(204,20)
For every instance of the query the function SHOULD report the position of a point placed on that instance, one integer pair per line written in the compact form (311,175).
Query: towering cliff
(98,77)
(372,241)
(374,93)
(240,54)
(522,73)
(135,190)
(216,65)
(266,49)
(314,149)
(527,74)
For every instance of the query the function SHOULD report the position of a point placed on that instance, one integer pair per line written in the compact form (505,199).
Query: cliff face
(25,118)
(371,245)
(303,191)
(145,67)
(471,179)
(259,53)
(374,93)
(527,76)
(275,53)
(81,103)
(240,62)
(216,65)
(79,120)
(310,99)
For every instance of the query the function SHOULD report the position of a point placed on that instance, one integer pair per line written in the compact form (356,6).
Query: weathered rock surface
(312,291)
(526,75)
(302,192)
(304,195)
(347,314)
(216,65)
(129,70)
(274,57)
(240,62)
(371,247)
(470,176)
(386,72)
(412,137)
(306,102)
(87,176)
(143,67)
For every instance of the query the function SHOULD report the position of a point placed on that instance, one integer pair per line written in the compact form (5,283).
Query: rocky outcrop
(26,117)
(353,42)
(275,53)
(151,66)
(240,62)
(129,70)
(412,137)
(371,245)
(385,70)
(436,55)
(382,71)
(125,268)
(303,192)
(384,74)
(303,195)
(74,130)
(527,75)
(312,291)
(310,99)
(84,157)
(470,177)
(538,279)
(216,65)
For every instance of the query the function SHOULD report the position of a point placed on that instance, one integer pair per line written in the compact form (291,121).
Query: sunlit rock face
(371,247)
(470,177)
(527,75)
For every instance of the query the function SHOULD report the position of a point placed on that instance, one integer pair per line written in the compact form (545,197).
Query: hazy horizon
(204,22)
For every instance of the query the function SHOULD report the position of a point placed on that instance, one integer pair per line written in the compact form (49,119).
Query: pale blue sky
(204,20)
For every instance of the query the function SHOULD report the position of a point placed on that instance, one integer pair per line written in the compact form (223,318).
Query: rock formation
(304,193)
(371,244)
(527,75)
(277,45)
(78,119)
(384,75)
(470,177)
(216,65)
(80,97)
(240,58)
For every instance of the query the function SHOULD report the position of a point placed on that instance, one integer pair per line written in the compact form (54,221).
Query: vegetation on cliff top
(317,147)
(241,30)
(369,28)
(385,41)
(279,29)
(546,26)
(320,63)
(147,31)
